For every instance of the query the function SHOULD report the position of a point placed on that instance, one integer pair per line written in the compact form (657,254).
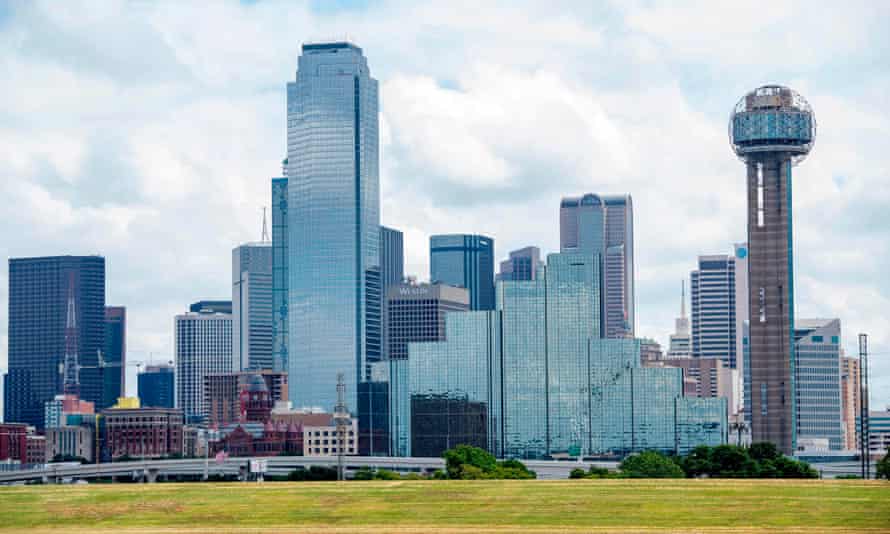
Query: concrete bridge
(150,470)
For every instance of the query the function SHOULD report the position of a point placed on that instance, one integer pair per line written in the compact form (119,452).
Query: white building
(323,440)
(203,346)
(252,306)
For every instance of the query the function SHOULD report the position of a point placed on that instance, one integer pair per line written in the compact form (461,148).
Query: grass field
(452,506)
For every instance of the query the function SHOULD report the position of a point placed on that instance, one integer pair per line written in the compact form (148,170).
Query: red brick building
(256,439)
(143,432)
(14,442)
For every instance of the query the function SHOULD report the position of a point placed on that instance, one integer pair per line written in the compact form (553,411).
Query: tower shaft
(771,299)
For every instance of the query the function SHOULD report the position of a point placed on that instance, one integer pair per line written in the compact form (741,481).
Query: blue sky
(148,132)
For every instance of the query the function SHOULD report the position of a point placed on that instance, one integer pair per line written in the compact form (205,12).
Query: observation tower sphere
(772,118)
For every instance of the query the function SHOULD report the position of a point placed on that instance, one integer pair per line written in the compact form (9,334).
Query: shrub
(578,473)
(315,473)
(650,464)
(763,451)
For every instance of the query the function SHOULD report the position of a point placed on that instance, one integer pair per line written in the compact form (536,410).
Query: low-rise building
(14,443)
(56,410)
(70,442)
(324,440)
(143,432)
(229,397)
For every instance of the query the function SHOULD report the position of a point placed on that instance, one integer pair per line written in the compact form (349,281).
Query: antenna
(341,419)
(265,235)
(683,299)
(70,365)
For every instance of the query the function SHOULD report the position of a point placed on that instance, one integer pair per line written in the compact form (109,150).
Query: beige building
(323,440)
(850,400)
(70,441)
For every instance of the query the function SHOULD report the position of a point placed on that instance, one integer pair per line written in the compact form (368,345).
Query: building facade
(850,400)
(156,386)
(817,381)
(56,411)
(416,313)
(713,298)
(143,432)
(70,441)
(522,264)
(252,307)
(223,395)
(114,368)
(203,346)
(681,340)
(392,257)
(535,379)
(603,225)
(56,308)
(334,285)
(279,273)
(466,261)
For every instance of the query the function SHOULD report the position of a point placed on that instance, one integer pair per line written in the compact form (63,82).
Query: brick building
(143,432)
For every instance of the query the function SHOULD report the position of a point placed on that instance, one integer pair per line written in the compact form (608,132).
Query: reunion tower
(771,129)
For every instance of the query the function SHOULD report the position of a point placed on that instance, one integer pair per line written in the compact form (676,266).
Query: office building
(416,313)
(143,432)
(114,366)
(70,442)
(878,433)
(535,379)
(56,411)
(252,306)
(203,343)
(224,394)
(392,257)
(211,306)
(156,386)
(56,314)
(817,381)
(714,309)
(279,272)
(681,340)
(771,129)
(333,211)
(850,400)
(522,264)
(603,225)
(466,261)
(373,416)
(325,440)
(650,351)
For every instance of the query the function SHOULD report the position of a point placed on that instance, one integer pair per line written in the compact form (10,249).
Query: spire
(265,235)
(683,299)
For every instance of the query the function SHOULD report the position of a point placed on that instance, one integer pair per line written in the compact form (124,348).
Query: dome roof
(257,385)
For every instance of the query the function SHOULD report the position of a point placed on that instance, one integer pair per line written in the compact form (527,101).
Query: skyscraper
(392,257)
(681,341)
(467,261)
(713,296)
(279,273)
(522,264)
(56,312)
(603,224)
(817,383)
(114,356)
(252,306)
(334,286)
(156,386)
(771,129)
(850,400)
(203,343)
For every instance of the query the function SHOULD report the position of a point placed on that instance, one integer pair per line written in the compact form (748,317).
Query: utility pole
(863,407)
(341,420)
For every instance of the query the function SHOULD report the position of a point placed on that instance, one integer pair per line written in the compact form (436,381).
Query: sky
(148,132)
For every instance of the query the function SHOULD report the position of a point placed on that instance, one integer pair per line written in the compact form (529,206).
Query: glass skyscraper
(40,291)
(534,378)
(252,316)
(522,264)
(114,355)
(333,224)
(279,274)
(603,225)
(465,261)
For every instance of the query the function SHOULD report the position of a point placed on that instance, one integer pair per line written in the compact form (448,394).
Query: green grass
(451,506)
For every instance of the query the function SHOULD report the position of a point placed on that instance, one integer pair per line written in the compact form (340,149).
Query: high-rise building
(650,351)
(536,379)
(522,264)
(156,386)
(817,382)
(333,211)
(203,346)
(467,261)
(252,306)
(850,400)
(416,313)
(603,225)
(392,257)
(114,369)
(681,340)
(714,308)
(771,129)
(211,306)
(56,314)
(279,272)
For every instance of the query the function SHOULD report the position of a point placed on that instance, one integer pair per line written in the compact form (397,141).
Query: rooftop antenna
(683,299)
(341,420)
(71,365)
(265,236)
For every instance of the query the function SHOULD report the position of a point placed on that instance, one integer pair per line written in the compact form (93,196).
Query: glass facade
(700,422)
(156,387)
(252,307)
(465,261)
(39,290)
(817,382)
(534,379)
(333,223)
(715,308)
(279,274)
(114,355)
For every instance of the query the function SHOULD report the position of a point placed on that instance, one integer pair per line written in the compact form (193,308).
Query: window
(760,202)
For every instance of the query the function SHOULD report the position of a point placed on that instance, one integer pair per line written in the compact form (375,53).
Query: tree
(462,455)
(882,468)
(650,464)
(763,451)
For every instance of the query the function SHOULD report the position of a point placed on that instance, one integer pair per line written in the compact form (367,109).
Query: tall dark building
(771,129)
(56,307)
(416,313)
(392,257)
(211,306)
(114,356)
(465,261)
(156,386)
(279,272)
(523,264)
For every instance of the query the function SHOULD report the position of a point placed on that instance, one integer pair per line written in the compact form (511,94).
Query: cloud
(148,132)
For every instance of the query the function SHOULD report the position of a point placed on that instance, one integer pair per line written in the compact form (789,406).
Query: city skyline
(62,199)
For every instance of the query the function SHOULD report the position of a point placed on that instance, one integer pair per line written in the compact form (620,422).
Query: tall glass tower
(333,219)
(771,129)
(463,260)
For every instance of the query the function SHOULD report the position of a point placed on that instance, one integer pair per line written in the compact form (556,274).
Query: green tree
(699,462)
(462,455)
(882,468)
(763,451)
(578,473)
(650,464)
